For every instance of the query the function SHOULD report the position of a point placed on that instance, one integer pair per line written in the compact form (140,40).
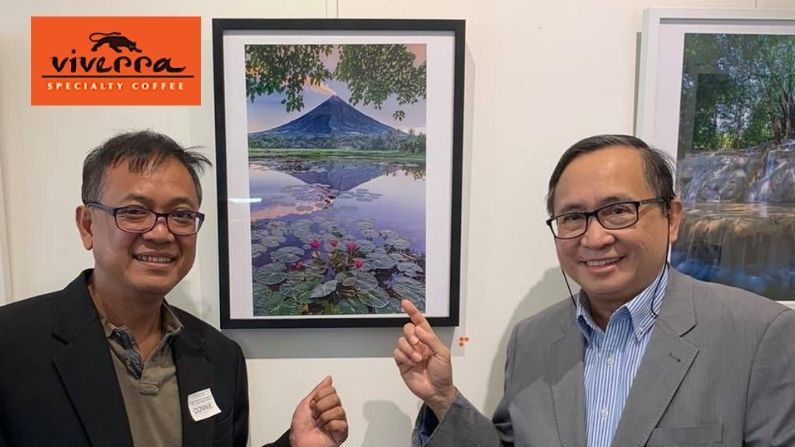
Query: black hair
(657,165)
(142,150)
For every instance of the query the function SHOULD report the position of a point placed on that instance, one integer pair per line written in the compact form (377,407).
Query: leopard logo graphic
(114,40)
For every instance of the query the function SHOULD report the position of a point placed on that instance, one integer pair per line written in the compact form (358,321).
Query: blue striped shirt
(612,357)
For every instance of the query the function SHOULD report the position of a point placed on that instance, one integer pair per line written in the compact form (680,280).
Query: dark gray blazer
(58,386)
(719,370)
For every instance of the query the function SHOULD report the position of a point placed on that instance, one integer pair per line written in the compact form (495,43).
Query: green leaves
(372,73)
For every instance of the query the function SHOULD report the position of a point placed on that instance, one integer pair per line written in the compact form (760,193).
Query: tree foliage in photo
(738,91)
(372,73)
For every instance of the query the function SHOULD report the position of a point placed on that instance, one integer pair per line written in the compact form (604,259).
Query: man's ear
(674,219)
(84,222)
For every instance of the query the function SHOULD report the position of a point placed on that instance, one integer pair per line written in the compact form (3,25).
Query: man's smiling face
(613,265)
(148,264)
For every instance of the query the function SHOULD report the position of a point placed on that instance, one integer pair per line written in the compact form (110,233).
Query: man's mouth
(154,259)
(601,262)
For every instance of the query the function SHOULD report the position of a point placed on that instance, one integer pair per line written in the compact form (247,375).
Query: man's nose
(160,230)
(595,234)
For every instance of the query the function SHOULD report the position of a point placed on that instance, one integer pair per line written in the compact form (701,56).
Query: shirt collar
(638,308)
(171,324)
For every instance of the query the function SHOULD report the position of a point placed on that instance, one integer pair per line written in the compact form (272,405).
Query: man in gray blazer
(642,355)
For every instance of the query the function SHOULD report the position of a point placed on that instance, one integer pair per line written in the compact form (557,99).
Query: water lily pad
(258,249)
(380,261)
(288,254)
(365,245)
(411,289)
(409,268)
(286,307)
(388,234)
(352,307)
(400,244)
(365,280)
(273,241)
(325,289)
(275,266)
(273,303)
(376,298)
(393,307)
(271,278)
(300,291)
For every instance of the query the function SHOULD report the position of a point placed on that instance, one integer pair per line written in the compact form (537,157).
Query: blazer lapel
(565,374)
(665,363)
(86,368)
(194,373)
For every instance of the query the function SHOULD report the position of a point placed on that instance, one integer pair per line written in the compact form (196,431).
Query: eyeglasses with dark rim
(138,220)
(614,216)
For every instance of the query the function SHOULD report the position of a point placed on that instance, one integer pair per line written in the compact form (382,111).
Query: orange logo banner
(115,60)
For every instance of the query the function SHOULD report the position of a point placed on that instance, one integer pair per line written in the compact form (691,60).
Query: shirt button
(611,359)
(604,413)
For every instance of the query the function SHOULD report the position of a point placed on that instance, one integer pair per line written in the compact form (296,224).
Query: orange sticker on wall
(115,60)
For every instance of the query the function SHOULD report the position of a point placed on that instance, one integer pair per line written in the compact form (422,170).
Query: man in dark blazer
(643,355)
(106,361)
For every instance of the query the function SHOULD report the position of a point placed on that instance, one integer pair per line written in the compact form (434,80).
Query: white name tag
(202,405)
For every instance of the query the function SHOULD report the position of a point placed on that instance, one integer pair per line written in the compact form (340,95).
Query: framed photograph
(717,90)
(339,170)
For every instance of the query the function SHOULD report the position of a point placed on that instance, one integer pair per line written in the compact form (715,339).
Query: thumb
(430,339)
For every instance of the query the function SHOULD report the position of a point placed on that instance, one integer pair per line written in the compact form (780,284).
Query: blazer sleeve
(241,402)
(464,426)
(770,406)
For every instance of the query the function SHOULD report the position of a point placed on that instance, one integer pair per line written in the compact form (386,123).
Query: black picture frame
(248,303)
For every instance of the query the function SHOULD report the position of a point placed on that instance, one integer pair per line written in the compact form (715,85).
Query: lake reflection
(336,236)
(391,195)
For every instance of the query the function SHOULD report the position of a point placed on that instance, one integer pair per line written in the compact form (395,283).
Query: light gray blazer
(719,370)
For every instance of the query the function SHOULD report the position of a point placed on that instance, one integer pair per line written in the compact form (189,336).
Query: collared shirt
(612,357)
(149,386)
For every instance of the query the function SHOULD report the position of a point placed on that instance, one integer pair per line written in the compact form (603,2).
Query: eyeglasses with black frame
(139,220)
(614,216)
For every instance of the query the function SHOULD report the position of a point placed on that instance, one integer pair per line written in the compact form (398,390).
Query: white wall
(540,75)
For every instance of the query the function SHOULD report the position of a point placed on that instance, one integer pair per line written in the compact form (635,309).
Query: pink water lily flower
(358,263)
(351,246)
(314,244)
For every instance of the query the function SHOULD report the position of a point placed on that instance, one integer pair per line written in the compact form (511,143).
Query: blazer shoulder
(214,340)
(551,320)
(733,302)
(29,314)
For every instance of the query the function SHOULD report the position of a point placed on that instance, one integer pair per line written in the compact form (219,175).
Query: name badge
(202,405)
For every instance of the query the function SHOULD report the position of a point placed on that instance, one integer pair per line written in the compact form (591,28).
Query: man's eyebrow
(148,202)
(578,208)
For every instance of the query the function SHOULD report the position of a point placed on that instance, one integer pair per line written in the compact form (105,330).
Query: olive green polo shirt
(149,386)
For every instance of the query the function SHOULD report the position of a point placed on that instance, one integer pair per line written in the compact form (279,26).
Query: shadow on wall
(549,290)
(385,421)
(323,343)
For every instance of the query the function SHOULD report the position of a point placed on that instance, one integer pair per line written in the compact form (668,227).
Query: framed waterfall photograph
(338,158)
(717,91)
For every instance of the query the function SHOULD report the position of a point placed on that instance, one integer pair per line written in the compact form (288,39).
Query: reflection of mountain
(333,117)
(338,175)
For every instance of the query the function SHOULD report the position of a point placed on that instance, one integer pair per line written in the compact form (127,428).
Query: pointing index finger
(415,315)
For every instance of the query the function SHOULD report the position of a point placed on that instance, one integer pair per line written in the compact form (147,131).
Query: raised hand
(424,362)
(319,420)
